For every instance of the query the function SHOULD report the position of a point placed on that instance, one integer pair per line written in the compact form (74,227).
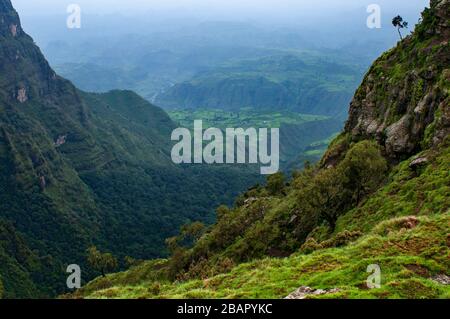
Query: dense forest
(78,169)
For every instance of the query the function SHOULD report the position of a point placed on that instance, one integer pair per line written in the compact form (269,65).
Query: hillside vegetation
(379,196)
(80,169)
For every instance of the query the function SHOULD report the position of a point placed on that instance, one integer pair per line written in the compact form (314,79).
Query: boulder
(305,292)
(418,162)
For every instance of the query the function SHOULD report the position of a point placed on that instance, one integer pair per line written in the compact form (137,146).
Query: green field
(303,137)
(318,148)
(245,118)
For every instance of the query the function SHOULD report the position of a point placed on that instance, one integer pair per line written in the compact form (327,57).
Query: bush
(341,239)
(364,169)
(276,184)
(310,246)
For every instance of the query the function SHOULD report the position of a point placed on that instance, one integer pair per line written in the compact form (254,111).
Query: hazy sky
(45,20)
(240,8)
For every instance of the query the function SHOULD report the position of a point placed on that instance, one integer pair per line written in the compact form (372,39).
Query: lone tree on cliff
(399,24)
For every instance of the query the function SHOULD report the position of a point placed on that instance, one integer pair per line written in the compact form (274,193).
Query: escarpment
(403,101)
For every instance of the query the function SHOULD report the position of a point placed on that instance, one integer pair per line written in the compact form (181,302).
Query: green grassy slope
(410,250)
(409,259)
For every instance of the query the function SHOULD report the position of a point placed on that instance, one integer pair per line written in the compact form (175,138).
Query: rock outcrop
(305,292)
(25,73)
(403,101)
(22,95)
(442,279)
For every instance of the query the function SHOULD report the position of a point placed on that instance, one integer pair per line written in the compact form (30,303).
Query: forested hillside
(79,169)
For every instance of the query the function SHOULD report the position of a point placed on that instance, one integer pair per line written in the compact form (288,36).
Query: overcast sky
(241,8)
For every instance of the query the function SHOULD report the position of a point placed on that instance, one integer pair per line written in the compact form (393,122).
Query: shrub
(276,184)
(309,246)
(102,262)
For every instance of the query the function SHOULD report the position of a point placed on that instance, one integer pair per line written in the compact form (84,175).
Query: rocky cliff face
(403,101)
(24,72)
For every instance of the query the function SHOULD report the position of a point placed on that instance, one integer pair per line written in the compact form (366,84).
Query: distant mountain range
(307,83)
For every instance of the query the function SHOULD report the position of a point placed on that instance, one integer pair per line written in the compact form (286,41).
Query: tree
(172,244)
(222,211)
(131,262)
(102,262)
(329,196)
(276,183)
(364,168)
(399,24)
(188,236)
(335,190)
(192,232)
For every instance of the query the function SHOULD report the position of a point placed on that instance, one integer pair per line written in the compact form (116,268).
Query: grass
(408,258)
(424,192)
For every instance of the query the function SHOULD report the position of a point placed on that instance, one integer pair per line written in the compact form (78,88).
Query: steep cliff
(404,98)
